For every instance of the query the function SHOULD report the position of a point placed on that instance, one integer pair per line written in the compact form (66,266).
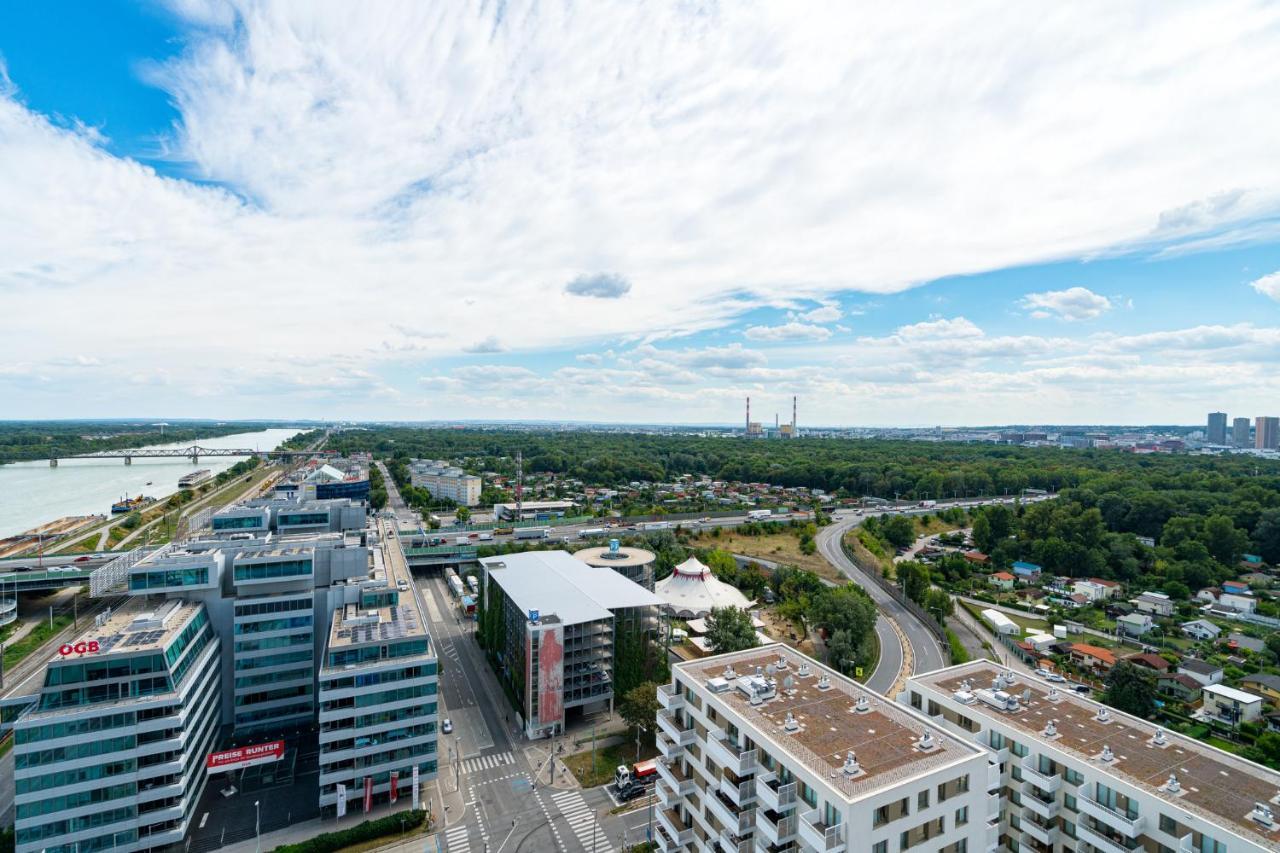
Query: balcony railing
(1102,842)
(670,749)
(1123,823)
(726,752)
(1045,782)
(772,794)
(820,836)
(680,782)
(1047,809)
(682,734)
(775,828)
(1046,835)
(680,831)
(670,698)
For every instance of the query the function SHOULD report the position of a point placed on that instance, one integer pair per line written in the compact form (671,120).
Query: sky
(909,214)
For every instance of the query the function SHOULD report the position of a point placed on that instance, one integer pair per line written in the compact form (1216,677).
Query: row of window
(75,728)
(246,522)
(386,676)
(253,607)
(282,624)
(388,651)
(101,670)
(32,834)
(76,800)
(80,697)
(166,578)
(83,749)
(274,677)
(268,571)
(302,639)
(76,776)
(272,695)
(273,660)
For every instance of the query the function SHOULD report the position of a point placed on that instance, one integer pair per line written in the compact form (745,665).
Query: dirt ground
(777,547)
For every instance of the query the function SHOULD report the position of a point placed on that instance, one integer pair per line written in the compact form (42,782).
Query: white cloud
(427,177)
(599,286)
(825,314)
(1268,285)
(940,329)
(1074,303)
(792,331)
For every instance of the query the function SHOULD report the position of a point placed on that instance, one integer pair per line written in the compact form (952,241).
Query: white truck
(531,533)
(757,514)
(589,532)
(927,503)
(656,525)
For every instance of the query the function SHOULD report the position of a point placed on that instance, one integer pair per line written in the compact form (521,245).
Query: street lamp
(257,825)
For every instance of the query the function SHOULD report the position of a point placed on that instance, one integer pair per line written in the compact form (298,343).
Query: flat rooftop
(1216,785)
(135,627)
(624,557)
(401,622)
(885,739)
(555,582)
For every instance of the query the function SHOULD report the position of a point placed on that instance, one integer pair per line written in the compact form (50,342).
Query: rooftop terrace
(1214,784)
(885,738)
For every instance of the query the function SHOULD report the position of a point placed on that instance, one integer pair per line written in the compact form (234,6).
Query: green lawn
(37,638)
(607,760)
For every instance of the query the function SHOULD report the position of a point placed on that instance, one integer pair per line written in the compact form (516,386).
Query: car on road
(1082,689)
(86,558)
(630,793)
(447,726)
(1055,678)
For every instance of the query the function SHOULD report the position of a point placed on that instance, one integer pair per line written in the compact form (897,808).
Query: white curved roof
(691,591)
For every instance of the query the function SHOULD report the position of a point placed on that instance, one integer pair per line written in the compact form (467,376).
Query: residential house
(1026,572)
(1090,590)
(1148,660)
(1134,624)
(1268,686)
(1240,641)
(1251,560)
(1209,595)
(1201,629)
(1240,603)
(977,558)
(1235,587)
(1179,686)
(1228,705)
(1273,720)
(1202,671)
(1003,580)
(1094,659)
(1155,603)
(1112,588)
(1261,579)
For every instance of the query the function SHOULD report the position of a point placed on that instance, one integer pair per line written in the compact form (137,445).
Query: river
(32,493)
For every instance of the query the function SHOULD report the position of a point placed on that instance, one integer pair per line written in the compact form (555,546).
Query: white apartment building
(445,481)
(112,754)
(768,750)
(1079,776)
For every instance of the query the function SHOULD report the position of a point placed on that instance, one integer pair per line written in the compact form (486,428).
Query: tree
(729,629)
(462,515)
(982,538)
(845,608)
(639,707)
(899,531)
(1131,689)
(1224,541)
(915,580)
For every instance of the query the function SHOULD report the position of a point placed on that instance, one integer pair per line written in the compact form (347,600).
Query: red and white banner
(395,782)
(245,756)
(368,794)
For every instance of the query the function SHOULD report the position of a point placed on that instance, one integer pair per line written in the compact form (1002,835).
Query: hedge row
(370,830)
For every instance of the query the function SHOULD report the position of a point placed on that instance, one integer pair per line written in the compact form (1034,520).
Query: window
(997,740)
(1068,828)
(1018,749)
(1072,777)
(922,801)
(1069,801)
(880,847)
(962,815)
(1168,825)
(890,812)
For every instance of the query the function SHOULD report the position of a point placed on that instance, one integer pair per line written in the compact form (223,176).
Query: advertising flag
(415,787)
(395,783)
(368,794)
(342,800)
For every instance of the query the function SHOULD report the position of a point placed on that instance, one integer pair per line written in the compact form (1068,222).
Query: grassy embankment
(607,759)
(775,547)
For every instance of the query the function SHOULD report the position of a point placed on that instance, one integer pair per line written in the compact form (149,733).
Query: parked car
(447,726)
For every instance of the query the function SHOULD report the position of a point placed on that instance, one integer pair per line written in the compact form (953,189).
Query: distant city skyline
(639,214)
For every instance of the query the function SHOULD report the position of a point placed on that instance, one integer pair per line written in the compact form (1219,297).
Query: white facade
(112,756)
(818,763)
(1155,603)
(1078,776)
(446,482)
(1239,603)
(1229,705)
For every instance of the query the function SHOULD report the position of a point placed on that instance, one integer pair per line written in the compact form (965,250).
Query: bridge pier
(53,462)
(128,460)
(195,458)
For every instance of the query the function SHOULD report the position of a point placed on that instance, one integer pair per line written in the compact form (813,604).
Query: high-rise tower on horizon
(1217,431)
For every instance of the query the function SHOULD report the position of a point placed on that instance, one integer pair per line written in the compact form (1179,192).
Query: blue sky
(235,209)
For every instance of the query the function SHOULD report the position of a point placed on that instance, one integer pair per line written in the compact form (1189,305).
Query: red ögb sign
(78,648)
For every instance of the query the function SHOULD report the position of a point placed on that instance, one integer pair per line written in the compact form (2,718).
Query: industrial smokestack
(747,430)
(793,417)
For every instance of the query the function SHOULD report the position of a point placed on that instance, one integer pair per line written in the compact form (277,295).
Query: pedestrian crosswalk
(582,820)
(457,840)
(484,762)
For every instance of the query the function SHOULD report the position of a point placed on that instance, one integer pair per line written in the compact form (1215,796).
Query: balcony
(775,829)
(670,698)
(1186,844)
(678,830)
(739,793)
(1044,808)
(678,781)
(777,796)
(669,749)
(1101,842)
(667,797)
(723,810)
(664,842)
(681,734)
(1046,835)
(1032,774)
(993,836)
(818,835)
(726,753)
(732,844)
(1122,823)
